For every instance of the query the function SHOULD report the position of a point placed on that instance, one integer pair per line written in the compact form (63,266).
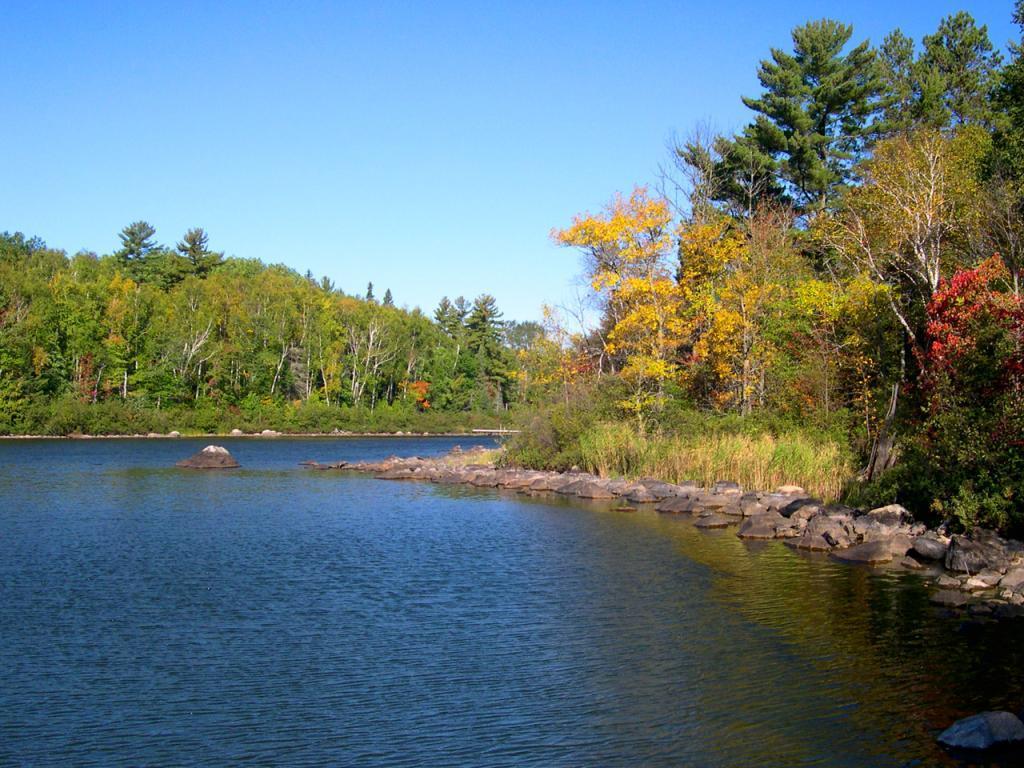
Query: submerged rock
(983,731)
(211,457)
(714,520)
(868,552)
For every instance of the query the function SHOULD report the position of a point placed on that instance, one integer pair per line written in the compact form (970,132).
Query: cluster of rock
(979,570)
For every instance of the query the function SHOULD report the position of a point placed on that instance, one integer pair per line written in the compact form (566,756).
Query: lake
(274,615)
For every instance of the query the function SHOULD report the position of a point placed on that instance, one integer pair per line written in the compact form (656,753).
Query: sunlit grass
(760,462)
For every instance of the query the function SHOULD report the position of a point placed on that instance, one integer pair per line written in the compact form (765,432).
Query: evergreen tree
(369,292)
(137,242)
(194,247)
(1008,155)
(947,85)
(389,300)
(913,92)
(448,318)
(962,61)
(815,116)
(483,326)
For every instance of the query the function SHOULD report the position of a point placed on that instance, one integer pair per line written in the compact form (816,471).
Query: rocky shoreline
(980,573)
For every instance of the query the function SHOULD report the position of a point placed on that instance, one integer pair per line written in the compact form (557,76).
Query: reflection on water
(150,615)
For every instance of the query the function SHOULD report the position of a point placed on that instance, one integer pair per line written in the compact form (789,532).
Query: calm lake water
(278,616)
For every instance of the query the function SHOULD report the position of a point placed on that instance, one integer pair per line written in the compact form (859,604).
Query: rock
(793,506)
(901,544)
(750,504)
(211,457)
(237,432)
(977,551)
(791,490)
(619,487)
(868,552)
(930,547)
(824,533)
(983,731)
(948,582)
(594,490)
(641,495)
(764,526)
(548,482)
(713,520)
(398,473)
(727,488)
(989,577)
(270,433)
(174,433)
(950,598)
(659,489)
(975,584)
(892,516)
(623,508)
(678,505)
(1013,580)
(912,564)
(814,542)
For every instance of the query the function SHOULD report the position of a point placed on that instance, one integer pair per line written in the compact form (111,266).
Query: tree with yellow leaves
(734,277)
(627,248)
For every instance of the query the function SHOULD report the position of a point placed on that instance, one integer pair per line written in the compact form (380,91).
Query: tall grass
(764,461)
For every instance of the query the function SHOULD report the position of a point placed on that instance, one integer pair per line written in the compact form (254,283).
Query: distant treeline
(150,329)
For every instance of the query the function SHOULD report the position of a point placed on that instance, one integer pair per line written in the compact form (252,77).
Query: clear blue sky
(428,147)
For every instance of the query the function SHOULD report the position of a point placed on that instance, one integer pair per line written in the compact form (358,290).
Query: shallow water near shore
(277,615)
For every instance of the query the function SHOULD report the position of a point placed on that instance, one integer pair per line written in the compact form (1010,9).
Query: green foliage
(816,113)
(104,344)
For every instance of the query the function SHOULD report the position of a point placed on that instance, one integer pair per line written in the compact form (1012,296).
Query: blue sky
(428,147)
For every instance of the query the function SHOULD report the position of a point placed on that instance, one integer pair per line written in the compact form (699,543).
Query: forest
(157,338)
(830,296)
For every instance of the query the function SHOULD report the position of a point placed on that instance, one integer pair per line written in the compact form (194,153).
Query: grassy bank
(705,451)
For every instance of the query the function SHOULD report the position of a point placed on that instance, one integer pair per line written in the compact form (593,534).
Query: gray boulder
(983,731)
(750,504)
(824,532)
(868,552)
(808,505)
(892,515)
(764,526)
(930,547)
(977,551)
(678,505)
(641,495)
(1013,580)
(211,457)
(594,490)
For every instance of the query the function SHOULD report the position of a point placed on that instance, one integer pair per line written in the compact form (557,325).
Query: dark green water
(277,616)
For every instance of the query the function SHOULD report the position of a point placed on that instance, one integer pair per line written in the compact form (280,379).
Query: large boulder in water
(211,457)
(983,731)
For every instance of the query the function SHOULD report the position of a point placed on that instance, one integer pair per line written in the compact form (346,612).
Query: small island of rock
(211,457)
